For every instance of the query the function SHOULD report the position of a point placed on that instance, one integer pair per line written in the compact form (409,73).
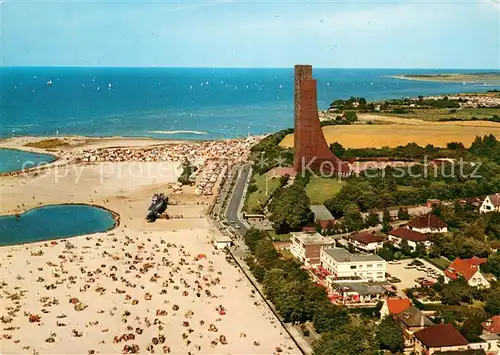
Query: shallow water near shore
(54,222)
(14,160)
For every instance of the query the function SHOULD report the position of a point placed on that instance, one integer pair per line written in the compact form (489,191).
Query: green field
(321,189)
(252,203)
(435,114)
(439,262)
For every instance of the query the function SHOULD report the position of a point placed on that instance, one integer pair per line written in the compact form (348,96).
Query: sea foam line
(177,132)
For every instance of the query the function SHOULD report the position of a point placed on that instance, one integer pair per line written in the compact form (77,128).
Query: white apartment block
(342,264)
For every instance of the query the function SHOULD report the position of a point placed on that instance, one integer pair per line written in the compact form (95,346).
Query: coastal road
(233,206)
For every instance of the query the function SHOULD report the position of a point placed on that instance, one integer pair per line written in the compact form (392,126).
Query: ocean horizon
(186,103)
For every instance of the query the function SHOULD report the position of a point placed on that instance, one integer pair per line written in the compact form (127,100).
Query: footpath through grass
(320,189)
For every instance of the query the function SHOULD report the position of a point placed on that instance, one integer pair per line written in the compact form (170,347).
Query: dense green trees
(349,104)
(403,214)
(493,264)
(390,335)
(471,329)
(348,340)
(492,305)
(289,209)
(330,318)
(456,292)
(457,245)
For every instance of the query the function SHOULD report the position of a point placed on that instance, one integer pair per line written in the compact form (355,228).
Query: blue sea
(53,222)
(183,103)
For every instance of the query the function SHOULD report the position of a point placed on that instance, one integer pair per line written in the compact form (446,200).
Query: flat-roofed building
(306,246)
(342,264)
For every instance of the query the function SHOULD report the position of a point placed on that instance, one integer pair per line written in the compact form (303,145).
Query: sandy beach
(141,288)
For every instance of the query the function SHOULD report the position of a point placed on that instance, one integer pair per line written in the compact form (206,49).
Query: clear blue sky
(340,34)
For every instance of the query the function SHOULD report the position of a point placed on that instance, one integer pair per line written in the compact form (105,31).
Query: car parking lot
(409,275)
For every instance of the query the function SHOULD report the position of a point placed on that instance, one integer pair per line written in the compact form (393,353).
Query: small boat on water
(49,82)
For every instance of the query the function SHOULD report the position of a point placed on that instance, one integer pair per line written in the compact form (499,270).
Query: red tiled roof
(441,335)
(408,234)
(492,325)
(495,199)
(282,171)
(367,238)
(465,268)
(427,221)
(398,305)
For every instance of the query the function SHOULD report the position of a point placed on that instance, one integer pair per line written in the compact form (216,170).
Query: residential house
(367,241)
(490,204)
(342,264)
(393,306)
(492,325)
(306,246)
(412,320)
(322,216)
(439,338)
(469,270)
(412,237)
(428,223)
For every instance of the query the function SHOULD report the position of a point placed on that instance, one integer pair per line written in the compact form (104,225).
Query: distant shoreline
(478,78)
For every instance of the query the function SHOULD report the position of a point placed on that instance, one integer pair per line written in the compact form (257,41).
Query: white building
(222,241)
(306,246)
(396,236)
(428,223)
(467,269)
(367,241)
(342,264)
(490,204)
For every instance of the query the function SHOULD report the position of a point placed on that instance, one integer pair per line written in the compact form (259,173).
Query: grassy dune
(403,131)
(48,143)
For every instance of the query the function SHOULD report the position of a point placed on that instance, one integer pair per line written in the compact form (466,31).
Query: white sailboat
(49,82)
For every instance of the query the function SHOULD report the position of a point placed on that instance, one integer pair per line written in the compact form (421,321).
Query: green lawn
(440,262)
(320,189)
(478,304)
(252,203)
(278,237)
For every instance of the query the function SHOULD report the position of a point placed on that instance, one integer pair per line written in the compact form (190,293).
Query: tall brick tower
(310,147)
